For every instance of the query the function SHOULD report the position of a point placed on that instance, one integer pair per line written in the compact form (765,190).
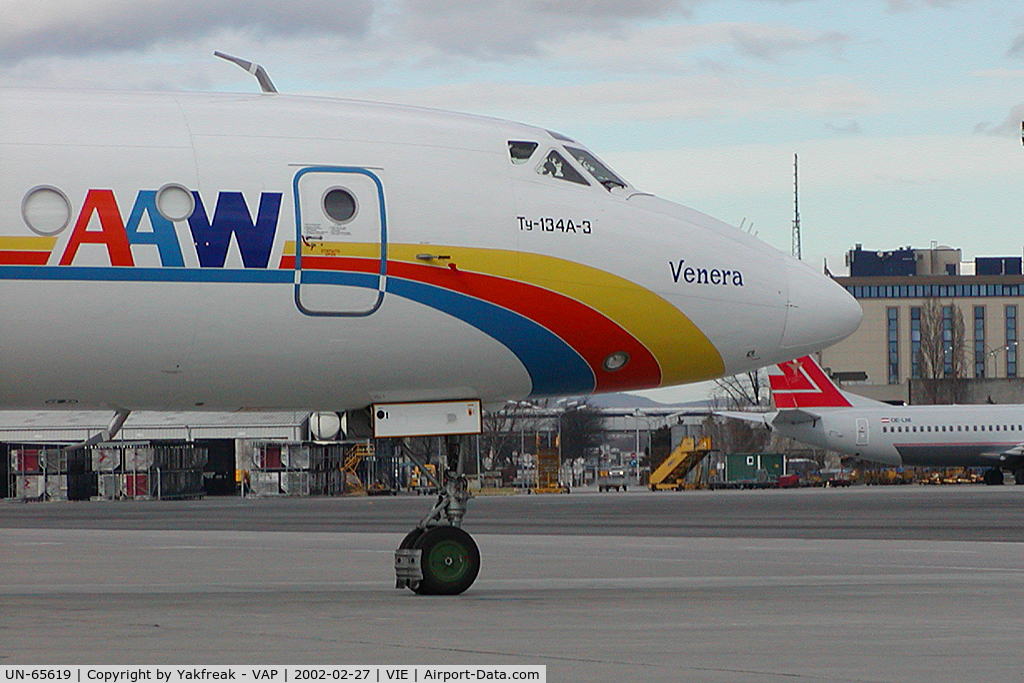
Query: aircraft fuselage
(258,252)
(918,436)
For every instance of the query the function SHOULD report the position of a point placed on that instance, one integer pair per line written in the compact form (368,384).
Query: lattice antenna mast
(797,250)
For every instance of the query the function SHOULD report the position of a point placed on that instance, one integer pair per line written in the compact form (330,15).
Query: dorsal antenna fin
(255,69)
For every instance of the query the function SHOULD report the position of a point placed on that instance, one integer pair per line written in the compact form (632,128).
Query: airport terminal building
(976,306)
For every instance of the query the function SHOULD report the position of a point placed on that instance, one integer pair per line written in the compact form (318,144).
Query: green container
(754,466)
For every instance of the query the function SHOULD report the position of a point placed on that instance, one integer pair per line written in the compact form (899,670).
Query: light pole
(520,408)
(992,354)
(479,474)
(567,405)
(636,423)
(637,416)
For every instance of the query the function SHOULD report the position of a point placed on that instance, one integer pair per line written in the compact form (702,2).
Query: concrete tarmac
(860,584)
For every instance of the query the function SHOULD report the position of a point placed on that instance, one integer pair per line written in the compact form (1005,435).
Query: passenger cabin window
(601,173)
(521,151)
(556,166)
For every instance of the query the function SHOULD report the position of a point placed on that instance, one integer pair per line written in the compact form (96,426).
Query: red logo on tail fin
(802,384)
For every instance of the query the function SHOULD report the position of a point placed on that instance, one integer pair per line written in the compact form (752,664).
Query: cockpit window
(602,173)
(559,136)
(521,151)
(556,166)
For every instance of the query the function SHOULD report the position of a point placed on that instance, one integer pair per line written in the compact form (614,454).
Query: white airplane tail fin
(802,383)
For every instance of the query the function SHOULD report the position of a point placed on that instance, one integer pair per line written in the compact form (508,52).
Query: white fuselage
(925,436)
(458,272)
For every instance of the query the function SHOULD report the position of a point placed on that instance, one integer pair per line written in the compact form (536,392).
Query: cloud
(684,47)
(83,42)
(490,30)
(39,28)
(614,9)
(849,128)
(487,31)
(1010,127)
(483,30)
(692,96)
(508,28)
(770,43)
(906,5)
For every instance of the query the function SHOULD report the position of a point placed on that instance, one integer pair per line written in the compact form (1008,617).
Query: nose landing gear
(438,557)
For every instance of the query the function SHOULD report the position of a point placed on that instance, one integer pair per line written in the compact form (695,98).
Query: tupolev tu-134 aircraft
(258,252)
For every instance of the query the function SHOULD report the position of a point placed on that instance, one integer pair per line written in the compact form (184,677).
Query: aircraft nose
(820,312)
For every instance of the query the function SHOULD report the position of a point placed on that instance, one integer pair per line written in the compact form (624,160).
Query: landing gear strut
(438,557)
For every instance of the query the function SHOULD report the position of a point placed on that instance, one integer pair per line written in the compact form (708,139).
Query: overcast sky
(906,114)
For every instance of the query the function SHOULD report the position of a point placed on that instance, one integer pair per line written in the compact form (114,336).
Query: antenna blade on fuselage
(255,69)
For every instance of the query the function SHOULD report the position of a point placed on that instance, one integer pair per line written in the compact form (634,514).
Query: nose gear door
(340,241)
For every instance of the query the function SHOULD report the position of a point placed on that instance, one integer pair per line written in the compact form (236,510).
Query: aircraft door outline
(862,431)
(340,259)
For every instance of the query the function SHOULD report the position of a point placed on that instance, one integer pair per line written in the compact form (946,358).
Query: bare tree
(942,355)
(738,392)
(956,343)
(581,429)
(736,436)
(741,391)
(932,356)
(502,433)
(659,447)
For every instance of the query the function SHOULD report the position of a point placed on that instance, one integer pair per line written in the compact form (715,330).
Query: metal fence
(111,471)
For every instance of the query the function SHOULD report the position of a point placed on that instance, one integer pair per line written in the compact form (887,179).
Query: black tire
(450,562)
(994,477)
(410,539)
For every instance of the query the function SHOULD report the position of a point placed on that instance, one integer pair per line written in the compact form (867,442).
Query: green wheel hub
(448,561)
